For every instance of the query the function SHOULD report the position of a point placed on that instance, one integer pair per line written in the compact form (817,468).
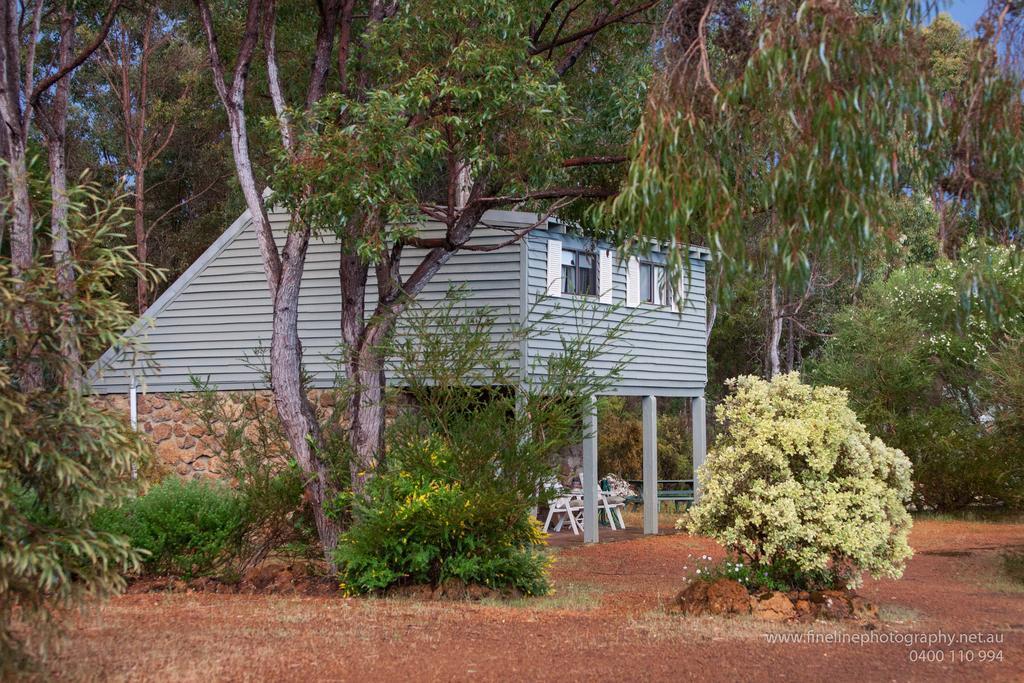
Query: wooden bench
(675,491)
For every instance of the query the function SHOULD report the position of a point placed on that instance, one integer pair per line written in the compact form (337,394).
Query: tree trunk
(366,413)
(297,415)
(56,135)
(774,329)
(27,369)
(141,240)
(63,263)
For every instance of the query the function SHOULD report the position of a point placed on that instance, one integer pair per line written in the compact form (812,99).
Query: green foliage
(915,356)
(440,92)
(186,529)
(422,525)
(787,129)
(620,433)
(795,482)
(779,134)
(780,575)
(61,456)
(249,441)
(466,461)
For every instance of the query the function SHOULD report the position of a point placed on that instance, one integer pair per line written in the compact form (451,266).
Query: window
(579,272)
(654,284)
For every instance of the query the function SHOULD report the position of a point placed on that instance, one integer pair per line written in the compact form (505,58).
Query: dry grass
(606,619)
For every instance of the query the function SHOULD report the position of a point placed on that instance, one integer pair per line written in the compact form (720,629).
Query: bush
(621,437)
(61,456)
(186,529)
(914,356)
(467,460)
(794,482)
(248,438)
(771,576)
(420,525)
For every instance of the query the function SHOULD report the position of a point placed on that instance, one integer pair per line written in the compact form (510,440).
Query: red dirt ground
(606,622)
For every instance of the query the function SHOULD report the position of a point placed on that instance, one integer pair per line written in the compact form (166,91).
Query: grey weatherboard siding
(212,320)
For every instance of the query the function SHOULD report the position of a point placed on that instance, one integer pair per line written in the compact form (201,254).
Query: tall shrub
(468,457)
(914,356)
(61,456)
(794,484)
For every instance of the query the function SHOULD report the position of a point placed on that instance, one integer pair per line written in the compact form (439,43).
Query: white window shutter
(605,279)
(554,267)
(633,283)
(678,292)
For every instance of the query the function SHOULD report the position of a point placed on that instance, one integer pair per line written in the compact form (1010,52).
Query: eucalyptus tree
(435,110)
(36,91)
(148,69)
(778,133)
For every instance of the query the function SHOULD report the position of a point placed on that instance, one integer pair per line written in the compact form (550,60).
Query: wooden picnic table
(676,491)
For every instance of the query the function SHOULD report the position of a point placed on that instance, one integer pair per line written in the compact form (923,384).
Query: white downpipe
(133,413)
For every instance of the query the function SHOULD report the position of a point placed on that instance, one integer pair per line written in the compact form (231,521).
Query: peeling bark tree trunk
(775,319)
(22,238)
(283,269)
(55,131)
(141,241)
(297,416)
(366,413)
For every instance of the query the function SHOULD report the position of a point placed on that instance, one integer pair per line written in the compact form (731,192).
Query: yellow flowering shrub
(795,482)
(423,523)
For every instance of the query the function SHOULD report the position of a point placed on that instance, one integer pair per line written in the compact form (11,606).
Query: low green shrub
(780,575)
(795,482)
(186,528)
(420,525)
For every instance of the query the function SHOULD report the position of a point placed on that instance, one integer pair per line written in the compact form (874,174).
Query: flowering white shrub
(795,481)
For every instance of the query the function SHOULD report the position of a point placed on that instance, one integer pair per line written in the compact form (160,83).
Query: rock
(477,592)
(179,430)
(161,432)
(723,596)
(833,605)
(804,609)
(773,606)
(267,575)
(196,431)
(168,452)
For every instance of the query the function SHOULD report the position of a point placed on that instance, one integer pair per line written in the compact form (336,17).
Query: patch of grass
(897,614)
(1013,565)
(659,625)
(987,515)
(578,597)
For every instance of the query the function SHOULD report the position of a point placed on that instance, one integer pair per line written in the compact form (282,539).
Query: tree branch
(593,28)
(550,193)
(573,162)
(70,66)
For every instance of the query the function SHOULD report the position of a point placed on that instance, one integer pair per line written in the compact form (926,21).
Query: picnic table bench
(676,491)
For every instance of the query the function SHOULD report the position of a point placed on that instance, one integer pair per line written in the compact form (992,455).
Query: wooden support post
(590,475)
(700,442)
(650,408)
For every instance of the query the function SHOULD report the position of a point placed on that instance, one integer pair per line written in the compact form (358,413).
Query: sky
(966,12)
